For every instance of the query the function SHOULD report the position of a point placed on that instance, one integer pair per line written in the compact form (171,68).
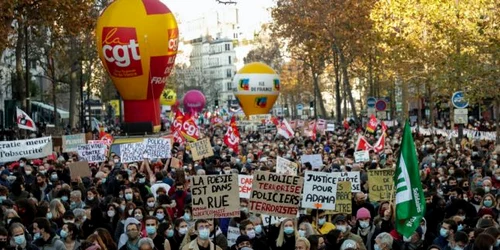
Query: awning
(62,113)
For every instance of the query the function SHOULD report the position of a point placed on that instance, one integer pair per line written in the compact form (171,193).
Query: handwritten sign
(92,152)
(284,166)
(352,177)
(362,156)
(380,184)
(271,220)
(319,188)
(275,194)
(315,160)
(70,143)
(344,194)
(158,148)
(214,196)
(132,152)
(245,184)
(232,235)
(201,149)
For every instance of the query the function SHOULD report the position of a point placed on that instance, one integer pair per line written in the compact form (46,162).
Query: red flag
(232,136)
(314,131)
(285,129)
(380,144)
(372,124)
(346,124)
(24,121)
(362,144)
(189,128)
(177,121)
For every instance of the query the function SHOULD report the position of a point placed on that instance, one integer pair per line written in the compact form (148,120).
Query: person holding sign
(202,240)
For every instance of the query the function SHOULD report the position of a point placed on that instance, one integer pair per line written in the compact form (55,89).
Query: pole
(82,102)
(27,69)
(88,105)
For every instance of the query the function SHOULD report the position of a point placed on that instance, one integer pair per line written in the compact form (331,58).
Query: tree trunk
(54,89)
(338,96)
(21,82)
(319,97)
(347,85)
(404,98)
(72,99)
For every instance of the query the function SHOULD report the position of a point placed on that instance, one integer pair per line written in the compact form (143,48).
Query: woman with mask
(365,229)
(150,204)
(176,236)
(92,198)
(19,237)
(161,214)
(306,229)
(286,236)
(112,216)
(56,212)
(69,234)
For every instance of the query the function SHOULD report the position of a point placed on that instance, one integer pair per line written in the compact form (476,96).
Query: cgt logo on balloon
(121,51)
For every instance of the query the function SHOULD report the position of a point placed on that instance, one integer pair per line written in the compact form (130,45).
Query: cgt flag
(410,200)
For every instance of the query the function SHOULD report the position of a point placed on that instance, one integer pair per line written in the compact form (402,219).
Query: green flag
(410,200)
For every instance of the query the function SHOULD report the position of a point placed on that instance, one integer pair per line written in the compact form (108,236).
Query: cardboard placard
(79,169)
(315,160)
(320,190)
(284,166)
(380,184)
(201,149)
(353,177)
(245,183)
(344,196)
(275,194)
(70,143)
(214,196)
(362,156)
(92,152)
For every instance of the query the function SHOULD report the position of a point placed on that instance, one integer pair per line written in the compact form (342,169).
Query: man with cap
(341,224)
(243,241)
(365,228)
(359,201)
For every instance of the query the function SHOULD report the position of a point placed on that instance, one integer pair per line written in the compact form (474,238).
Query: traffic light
(311,104)
(216,103)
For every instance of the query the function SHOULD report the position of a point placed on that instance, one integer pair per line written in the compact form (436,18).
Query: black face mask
(3,244)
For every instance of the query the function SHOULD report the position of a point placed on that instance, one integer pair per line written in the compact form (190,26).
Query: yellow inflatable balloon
(168,97)
(256,86)
(137,42)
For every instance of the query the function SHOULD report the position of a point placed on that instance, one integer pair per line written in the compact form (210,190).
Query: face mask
(170,233)
(64,198)
(487,189)
(28,172)
(497,243)
(111,213)
(322,221)
(103,180)
(342,228)
(8,221)
(443,232)
(244,210)
(160,216)
(451,171)
(227,171)
(133,235)
(130,211)
(68,221)
(138,217)
(187,217)
(302,233)
(258,229)
(49,215)
(251,234)
(72,205)
(142,180)
(183,230)
(249,161)
(128,197)
(36,236)
(54,177)
(2,198)
(406,239)
(376,247)
(460,227)
(43,172)
(487,203)
(21,164)
(288,230)
(90,198)
(20,239)
(364,224)
(150,230)
(63,234)
(457,248)
(204,234)
(116,160)
(151,204)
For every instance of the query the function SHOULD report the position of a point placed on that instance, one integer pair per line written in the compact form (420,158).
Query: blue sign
(370,102)
(300,107)
(458,100)
(381,105)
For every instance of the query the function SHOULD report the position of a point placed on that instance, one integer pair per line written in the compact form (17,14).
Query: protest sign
(275,194)
(100,142)
(79,169)
(362,156)
(344,194)
(315,160)
(271,220)
(320,190)
(201,149)
(92,152)
(352,177)
(284,166)
(214,196)
(245,183)
(30,149)
(131,152)
(380,184)
(232,235)
(158,148)
(70,143)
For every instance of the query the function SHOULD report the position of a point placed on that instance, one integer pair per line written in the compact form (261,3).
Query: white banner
(30,149)
(92,152)
(158,148)
(320,190)
(131,152)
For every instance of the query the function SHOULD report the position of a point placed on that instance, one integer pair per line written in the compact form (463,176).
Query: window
(229,86)
(227,46)
(229,73)
(229,60)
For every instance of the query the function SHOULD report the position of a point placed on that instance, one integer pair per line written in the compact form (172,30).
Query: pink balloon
(194,101)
